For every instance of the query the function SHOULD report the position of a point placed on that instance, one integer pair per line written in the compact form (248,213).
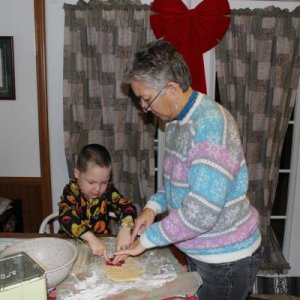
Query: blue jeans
(227,281)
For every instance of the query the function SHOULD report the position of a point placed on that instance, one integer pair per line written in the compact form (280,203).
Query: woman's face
(93,182)
(160,102)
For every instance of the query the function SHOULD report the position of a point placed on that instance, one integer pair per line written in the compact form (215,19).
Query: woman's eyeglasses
(148,103)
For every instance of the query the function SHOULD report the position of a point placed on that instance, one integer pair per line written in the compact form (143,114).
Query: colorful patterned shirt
(205,183)
(78,215)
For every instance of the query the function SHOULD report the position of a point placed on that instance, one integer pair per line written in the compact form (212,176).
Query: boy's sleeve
(123,208)
(69,220)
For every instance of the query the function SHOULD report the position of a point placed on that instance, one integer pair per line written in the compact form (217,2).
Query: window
(279,210)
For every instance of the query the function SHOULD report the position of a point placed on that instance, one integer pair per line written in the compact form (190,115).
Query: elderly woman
(209,217)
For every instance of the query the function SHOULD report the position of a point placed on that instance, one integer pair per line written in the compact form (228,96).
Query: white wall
(55,40)
(292,237)
(19,136)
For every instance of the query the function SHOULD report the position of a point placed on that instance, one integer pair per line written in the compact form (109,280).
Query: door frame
(41,69)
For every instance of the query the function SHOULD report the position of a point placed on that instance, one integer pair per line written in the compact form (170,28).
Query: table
(164,277)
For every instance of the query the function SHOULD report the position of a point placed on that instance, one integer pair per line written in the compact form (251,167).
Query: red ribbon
(192,32)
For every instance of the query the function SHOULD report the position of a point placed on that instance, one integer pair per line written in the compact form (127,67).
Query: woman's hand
(135,248)
(144,220)
(96,246)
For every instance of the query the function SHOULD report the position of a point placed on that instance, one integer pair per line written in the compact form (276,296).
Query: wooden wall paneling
(28,190)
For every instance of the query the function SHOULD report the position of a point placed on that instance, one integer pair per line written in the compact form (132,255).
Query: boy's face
(93,182)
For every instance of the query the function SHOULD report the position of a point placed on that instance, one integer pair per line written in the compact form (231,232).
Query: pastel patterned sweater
(205,184)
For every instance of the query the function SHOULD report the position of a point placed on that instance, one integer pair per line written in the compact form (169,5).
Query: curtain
(258,64)
(100,36)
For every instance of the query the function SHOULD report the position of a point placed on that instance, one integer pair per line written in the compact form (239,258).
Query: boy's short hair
(94,153)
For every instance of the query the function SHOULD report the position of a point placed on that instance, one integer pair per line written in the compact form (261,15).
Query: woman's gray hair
(157,64)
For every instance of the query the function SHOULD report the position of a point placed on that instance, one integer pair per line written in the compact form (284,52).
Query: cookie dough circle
(129,271)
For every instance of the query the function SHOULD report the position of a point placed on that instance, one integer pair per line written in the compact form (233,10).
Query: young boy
(88,199)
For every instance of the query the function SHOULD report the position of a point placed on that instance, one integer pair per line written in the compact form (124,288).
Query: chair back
(47,226)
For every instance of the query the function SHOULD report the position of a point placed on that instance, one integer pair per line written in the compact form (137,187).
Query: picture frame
(7,72)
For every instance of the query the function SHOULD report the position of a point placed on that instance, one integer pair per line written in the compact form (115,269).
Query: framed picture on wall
(7,72)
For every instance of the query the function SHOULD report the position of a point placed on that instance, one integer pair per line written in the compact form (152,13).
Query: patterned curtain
(258,65)
(100,36)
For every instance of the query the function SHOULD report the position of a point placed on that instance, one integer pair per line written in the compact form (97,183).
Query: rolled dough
(129,271)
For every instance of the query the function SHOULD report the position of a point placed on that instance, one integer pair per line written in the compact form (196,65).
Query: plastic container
(21,278)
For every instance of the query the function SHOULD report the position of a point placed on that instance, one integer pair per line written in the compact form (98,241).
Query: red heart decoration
(192,32)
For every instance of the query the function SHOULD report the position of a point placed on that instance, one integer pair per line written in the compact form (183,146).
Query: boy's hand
(123,238)
(123,243)
(120,257)
(96,246)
